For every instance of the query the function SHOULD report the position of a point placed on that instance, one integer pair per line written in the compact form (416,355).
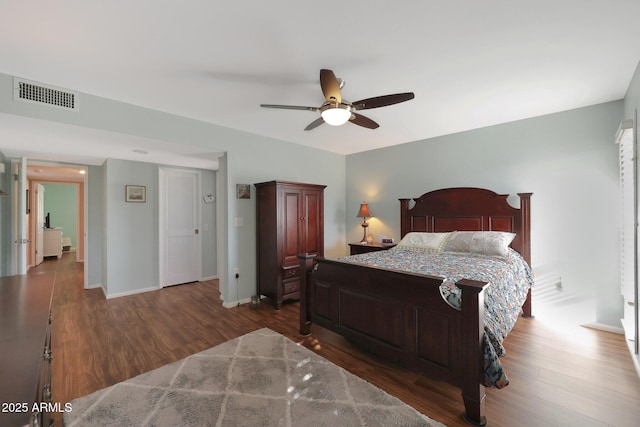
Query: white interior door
(180,242)
(39,223)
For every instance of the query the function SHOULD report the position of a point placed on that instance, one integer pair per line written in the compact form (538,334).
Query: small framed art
(135,193)
(243,191)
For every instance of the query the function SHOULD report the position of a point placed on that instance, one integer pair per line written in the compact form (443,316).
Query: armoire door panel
(291,228)
(312,221)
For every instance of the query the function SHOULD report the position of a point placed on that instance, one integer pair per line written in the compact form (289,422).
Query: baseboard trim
(133,292)
(232,304)
(204,279)
(603,327)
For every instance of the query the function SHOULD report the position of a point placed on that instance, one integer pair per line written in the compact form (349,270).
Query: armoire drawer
(290,272)
(290,287)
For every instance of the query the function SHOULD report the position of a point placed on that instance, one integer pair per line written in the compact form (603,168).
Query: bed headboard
(469,209)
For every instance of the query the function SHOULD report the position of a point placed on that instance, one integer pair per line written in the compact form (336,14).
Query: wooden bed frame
(402,316)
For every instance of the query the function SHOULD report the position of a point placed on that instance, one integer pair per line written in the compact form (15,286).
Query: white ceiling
(470,64)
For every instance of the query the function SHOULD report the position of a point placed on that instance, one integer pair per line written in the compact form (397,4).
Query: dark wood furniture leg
(306,267)
(473,392)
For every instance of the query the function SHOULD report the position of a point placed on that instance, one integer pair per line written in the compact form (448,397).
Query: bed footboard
(402,317)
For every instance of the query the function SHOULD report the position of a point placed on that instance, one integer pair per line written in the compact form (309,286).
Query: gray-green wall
(632,98)
(95,225)
(131,229)
(61,202)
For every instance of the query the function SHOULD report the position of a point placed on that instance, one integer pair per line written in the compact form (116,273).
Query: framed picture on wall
(243,191)
(135,193)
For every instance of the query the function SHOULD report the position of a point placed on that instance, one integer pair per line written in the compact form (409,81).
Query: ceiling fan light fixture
(336,116)
(335,111)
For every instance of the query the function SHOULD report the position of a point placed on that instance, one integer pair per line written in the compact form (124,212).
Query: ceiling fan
(336,111)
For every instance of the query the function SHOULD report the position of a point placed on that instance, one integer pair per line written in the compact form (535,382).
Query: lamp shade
(336,116)
(364,211)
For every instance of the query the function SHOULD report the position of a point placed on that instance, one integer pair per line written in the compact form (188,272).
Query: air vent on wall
(38,93)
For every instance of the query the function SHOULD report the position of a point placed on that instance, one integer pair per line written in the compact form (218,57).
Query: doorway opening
(56,211)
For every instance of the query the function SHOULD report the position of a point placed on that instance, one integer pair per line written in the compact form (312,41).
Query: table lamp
(364,212)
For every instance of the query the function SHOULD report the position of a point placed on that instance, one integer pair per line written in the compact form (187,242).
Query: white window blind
(629,235)
(627,238)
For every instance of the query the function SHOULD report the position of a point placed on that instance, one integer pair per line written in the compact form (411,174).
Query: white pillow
(492,243)
(423,242)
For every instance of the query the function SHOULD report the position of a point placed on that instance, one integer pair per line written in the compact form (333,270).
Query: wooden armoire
(289,221)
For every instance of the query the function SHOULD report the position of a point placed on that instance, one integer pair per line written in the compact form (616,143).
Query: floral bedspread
(509,278)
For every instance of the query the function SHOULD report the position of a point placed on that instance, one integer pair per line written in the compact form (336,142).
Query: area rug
(259,379)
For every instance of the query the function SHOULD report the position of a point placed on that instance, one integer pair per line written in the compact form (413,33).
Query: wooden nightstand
(359,248)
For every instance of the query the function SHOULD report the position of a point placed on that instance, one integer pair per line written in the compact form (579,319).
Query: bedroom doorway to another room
(56,212)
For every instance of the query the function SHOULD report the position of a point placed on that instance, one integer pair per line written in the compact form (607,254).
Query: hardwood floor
(577,377)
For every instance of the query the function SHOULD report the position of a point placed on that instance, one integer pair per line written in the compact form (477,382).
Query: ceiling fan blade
(289,107)
(382,101)
(330,86)
(314,124)
(363,121)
